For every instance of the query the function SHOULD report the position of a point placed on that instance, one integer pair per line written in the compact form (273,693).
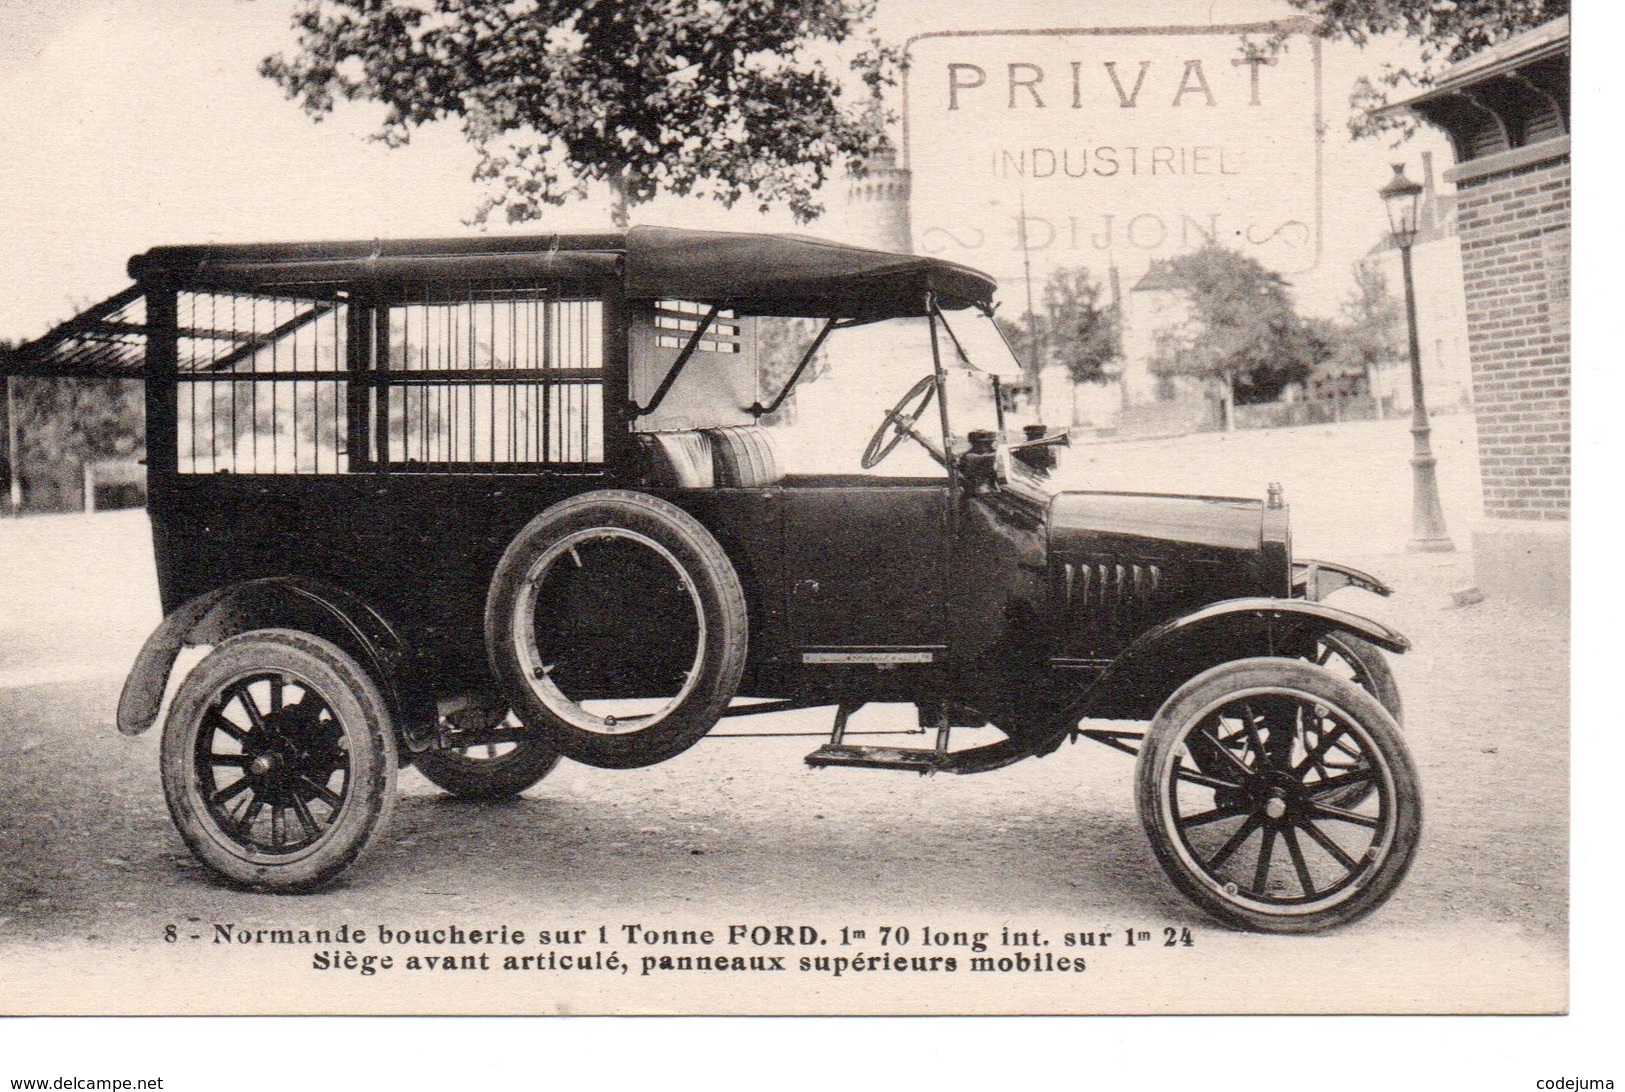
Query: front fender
(1274,611)
(1135,684)
(283,601)
(1315,580)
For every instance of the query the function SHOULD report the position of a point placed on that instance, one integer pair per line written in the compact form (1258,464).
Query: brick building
(1506,111)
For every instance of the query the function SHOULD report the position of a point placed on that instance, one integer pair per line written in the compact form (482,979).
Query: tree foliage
(1446,31)
(1242,330)
(725,98)
(1373,323)
(63,424)
(1074,329)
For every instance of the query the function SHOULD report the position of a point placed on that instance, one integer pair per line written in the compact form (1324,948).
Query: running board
(918,759)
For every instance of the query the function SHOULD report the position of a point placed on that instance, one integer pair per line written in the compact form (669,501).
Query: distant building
(877,205)
(1441,303)
(1506,111)
(1153,307)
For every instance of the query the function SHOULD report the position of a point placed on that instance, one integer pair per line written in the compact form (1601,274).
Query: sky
(132,123)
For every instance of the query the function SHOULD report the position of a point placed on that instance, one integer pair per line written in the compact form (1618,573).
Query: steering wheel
(899,424)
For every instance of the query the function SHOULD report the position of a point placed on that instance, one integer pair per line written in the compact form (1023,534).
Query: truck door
(867,568)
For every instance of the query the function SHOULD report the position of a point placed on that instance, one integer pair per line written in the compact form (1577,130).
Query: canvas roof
(754,273)
(760,274)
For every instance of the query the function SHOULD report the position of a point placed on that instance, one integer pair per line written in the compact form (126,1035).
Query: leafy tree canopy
(718,97)
(1373,322)
(1242,330)
(1446,31)
(1074,329)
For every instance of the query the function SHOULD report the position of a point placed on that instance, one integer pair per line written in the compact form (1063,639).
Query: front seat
(678,460)
(743,457)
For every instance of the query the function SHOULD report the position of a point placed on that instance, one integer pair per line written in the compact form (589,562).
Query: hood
(1155,524)
(1120,563)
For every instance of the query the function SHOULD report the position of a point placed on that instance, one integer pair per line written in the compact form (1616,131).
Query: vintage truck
(476,504)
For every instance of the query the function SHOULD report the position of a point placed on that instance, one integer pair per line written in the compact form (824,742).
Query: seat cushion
(678,460)
(743,457)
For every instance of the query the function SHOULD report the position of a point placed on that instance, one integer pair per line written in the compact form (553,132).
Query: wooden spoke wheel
(1362,663)
(1246,808)
(278,761)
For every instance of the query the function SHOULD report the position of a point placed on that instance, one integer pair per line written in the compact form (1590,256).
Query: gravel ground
(739,831)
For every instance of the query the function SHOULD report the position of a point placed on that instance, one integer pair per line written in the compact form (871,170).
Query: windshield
(861,372)
(976,342)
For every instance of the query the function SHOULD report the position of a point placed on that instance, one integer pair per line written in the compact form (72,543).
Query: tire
(317,780)
(1215,811)
(489,771)
(647,602)
(1362,663)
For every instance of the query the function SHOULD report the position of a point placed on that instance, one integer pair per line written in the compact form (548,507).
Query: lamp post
(1401,196)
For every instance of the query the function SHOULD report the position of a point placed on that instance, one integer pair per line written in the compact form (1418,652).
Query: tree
(1323,349)
(1082,334)
(63,424)
(1373,324)
(1242,333)
(717,97)
(1073,330)
(1447,31)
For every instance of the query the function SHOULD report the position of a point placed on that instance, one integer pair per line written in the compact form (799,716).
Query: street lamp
(1428,535)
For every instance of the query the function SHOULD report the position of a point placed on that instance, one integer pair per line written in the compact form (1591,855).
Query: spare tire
(616,624)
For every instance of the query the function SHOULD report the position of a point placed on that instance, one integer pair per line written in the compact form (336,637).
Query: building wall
(1514,230)
(1147,314)
(1441,324)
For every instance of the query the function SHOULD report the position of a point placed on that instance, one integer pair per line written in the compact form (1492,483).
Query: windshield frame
(998,392)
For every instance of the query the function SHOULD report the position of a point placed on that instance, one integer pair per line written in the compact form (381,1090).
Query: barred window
(505,377)
(262,384)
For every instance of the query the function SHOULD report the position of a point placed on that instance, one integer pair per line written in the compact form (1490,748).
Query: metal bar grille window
(497,378)
(262,384)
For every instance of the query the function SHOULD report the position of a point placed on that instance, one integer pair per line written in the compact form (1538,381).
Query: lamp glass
(1402,198)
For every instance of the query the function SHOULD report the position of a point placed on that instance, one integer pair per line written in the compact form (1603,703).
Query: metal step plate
(881,758)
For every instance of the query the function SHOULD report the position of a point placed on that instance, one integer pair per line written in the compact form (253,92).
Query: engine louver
(1111,594)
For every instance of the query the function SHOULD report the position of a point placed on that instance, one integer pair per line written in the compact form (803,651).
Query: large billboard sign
(1096,146)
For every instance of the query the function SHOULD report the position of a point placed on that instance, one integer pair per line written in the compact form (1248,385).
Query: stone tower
(877,204)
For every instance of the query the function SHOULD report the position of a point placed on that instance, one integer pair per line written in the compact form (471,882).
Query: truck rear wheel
(278,761)
(487,771)
(616,624)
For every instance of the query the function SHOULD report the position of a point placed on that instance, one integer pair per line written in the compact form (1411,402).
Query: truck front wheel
(1244,808)
(278,761)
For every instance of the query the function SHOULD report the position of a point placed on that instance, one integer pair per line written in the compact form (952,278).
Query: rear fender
(282,602)
(1137,682)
